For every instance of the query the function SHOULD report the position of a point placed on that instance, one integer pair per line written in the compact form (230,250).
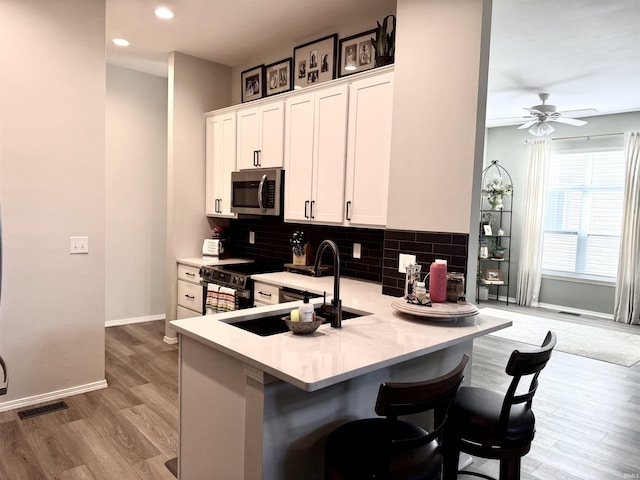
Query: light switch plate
(405,259)
(78,245)
(357,250)
(252,237)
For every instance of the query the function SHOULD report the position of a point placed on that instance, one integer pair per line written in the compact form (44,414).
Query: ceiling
(586,54)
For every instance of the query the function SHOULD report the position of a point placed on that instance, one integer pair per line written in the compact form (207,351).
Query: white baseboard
(55,395)
(170,340)
(128,321)
(561,308)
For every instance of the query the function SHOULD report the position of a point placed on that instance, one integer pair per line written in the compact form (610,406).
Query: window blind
(583,214)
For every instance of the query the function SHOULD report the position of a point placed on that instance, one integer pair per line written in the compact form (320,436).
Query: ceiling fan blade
(528,124)
(579,113)
(569,121)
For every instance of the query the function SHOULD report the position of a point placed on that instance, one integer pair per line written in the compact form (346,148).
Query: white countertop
(202,261)
(330,355)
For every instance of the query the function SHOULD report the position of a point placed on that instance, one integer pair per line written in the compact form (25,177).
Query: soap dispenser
(306,310)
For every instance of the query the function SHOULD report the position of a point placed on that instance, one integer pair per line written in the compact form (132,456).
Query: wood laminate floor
(588,415)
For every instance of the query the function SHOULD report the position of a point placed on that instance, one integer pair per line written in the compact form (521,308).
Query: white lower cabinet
(369,151)
(265,294)
(190,293)
(315,143)
(220,162)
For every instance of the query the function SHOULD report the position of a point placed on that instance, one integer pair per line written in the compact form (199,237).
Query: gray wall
(52,186)
(508,145)
(196,86)
(136,195)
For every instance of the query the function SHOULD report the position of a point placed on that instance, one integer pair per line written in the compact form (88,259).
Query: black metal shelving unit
(494,272)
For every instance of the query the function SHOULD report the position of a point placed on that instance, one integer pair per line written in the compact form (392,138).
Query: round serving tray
(438,311)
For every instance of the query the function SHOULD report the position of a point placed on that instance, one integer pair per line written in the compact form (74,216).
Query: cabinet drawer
(182,312)
(264,293)
(188,273)
(190,295)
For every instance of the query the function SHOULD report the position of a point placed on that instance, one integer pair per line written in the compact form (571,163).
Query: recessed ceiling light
(164,12)
(121,42)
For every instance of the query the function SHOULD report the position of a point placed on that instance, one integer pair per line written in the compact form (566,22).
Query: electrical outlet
(356,250)
(252,237)
(78,245)
(405,259)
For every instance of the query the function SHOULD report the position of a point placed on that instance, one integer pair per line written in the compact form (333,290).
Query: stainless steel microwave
(257,192)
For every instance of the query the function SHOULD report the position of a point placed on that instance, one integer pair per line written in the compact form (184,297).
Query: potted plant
(384,44)
(301,249)
(495,190)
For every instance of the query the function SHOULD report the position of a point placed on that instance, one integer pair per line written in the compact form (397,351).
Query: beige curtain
(529,269)
(627,297)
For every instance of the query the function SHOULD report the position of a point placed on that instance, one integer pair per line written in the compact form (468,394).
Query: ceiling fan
(542,115)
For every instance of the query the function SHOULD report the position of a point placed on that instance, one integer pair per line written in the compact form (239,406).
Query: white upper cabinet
(260,136)
(369,150)
(220,162)
(315,152)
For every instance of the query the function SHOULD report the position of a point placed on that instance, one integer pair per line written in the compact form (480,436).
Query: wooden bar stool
(491,425)
(389,448)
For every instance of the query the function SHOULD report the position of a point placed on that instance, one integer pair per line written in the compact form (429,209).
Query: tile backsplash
(379,255)
(272,244)
(427,247)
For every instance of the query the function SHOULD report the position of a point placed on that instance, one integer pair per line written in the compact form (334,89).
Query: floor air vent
(33,412)
(570,313)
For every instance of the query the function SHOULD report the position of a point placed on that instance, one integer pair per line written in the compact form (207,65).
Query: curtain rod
(589,136)
(584,136)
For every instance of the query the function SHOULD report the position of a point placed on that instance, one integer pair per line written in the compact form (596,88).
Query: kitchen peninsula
(254,407)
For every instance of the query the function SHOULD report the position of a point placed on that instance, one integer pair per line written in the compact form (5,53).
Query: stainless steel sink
(273,324)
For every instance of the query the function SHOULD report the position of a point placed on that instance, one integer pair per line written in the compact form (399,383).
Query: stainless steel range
(236,277)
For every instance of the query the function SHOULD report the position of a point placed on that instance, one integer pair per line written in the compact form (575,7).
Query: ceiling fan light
(541,129)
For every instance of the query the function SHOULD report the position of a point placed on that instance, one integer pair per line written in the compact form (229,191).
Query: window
(583,215)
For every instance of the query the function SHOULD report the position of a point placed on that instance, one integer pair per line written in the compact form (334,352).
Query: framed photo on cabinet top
(278,77)
(252,83)
(315,62)
(356,53)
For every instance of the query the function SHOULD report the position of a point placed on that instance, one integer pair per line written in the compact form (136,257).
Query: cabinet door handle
(189,274)
(190,297)
(255,158)
(312,204)
(349,210)
(306,206)
(219,205)
(264,294)
(259,158)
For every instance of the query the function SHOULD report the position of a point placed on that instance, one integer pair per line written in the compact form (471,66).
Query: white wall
(508,146)
(438,113)
(196,86)
(136,198)
(52,186)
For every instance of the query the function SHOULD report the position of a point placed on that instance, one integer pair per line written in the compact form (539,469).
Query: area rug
(583,340)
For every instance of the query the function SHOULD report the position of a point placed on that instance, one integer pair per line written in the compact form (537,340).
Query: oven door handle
(260,191)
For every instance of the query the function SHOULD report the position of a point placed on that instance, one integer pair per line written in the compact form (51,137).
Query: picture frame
(484,251)
(493,274)
(356,53)
(487,229)
(252,83)
(315,62)
(277,77)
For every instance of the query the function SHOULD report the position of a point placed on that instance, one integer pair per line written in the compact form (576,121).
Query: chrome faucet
(336,310)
